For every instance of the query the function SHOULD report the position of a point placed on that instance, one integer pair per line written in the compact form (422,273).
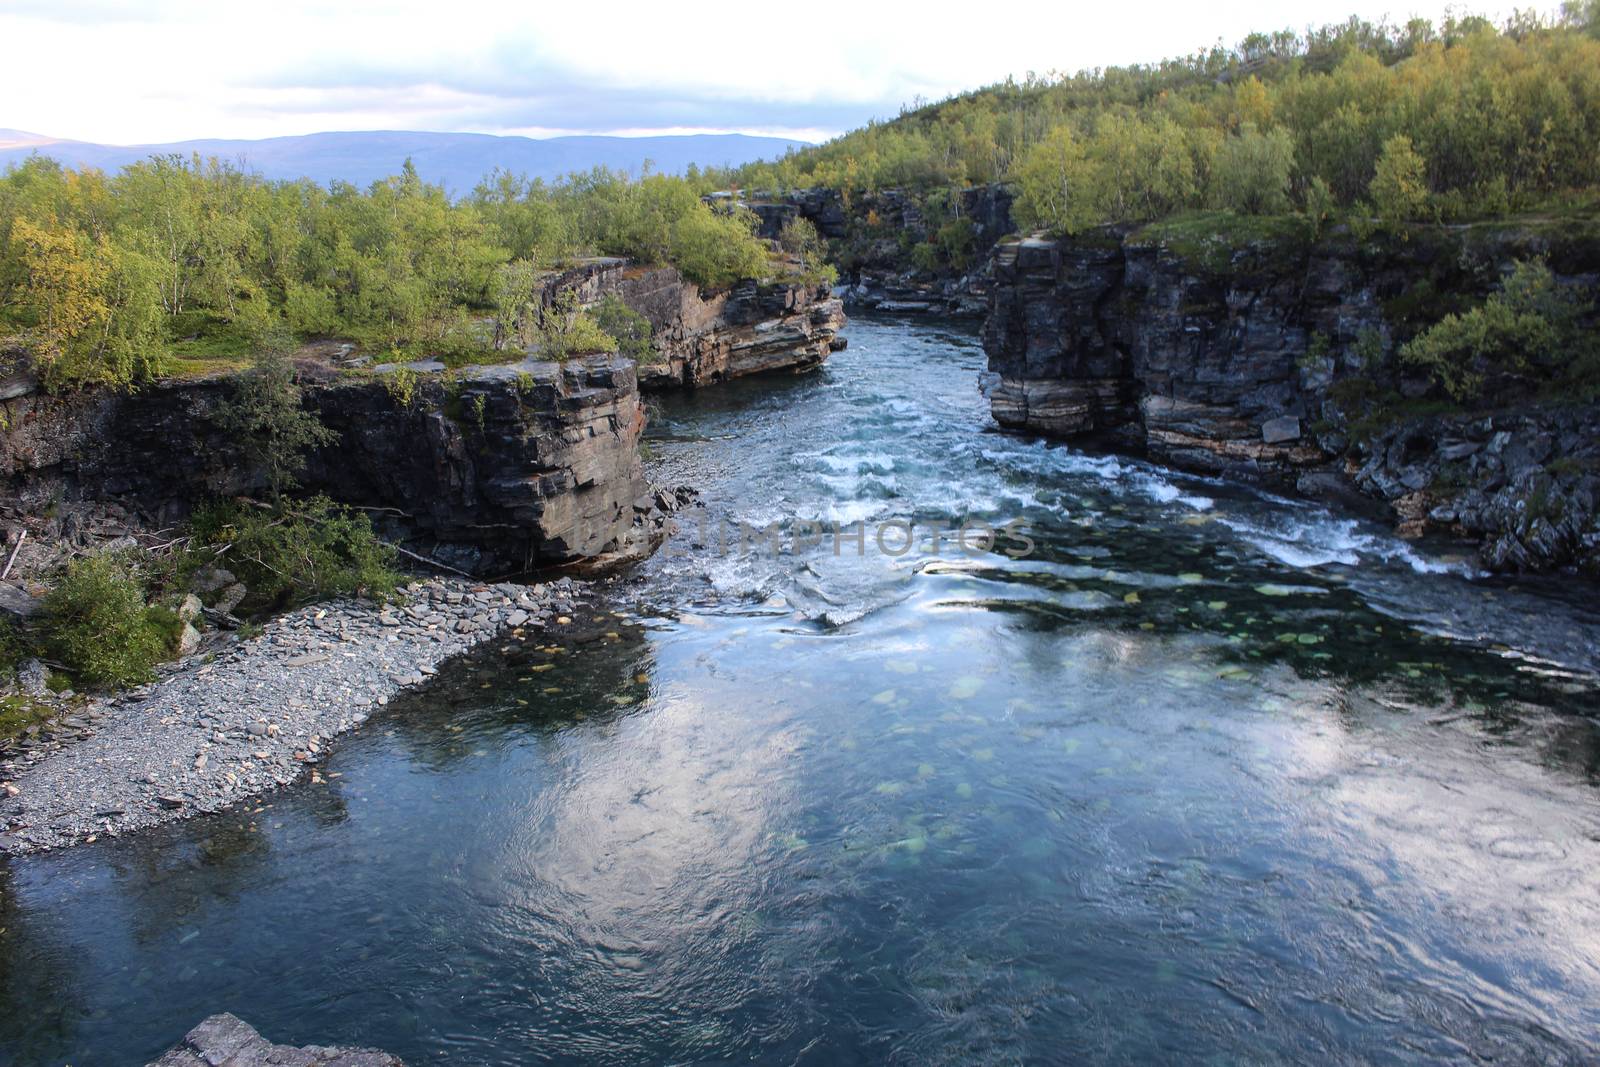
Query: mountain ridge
(455,160)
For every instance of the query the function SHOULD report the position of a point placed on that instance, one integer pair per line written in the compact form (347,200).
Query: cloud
(173,69)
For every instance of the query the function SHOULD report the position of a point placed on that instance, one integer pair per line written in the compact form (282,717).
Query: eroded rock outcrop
(873,236)
(494,470)
(225,1040)
(705,337)
(1255,355)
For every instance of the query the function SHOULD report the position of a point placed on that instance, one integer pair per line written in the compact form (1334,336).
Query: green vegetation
(177,266)
(305,550)
(1531,328)
(1457,121)
(799,238)
(100,626)
(268,419)
(630,330)
(567,330)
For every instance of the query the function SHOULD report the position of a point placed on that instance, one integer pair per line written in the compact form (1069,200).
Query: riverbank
(259,716)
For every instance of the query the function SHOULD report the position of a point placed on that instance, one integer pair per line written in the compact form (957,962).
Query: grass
(1219,242)
(17,713)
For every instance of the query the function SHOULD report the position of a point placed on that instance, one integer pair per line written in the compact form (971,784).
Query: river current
(1183,771)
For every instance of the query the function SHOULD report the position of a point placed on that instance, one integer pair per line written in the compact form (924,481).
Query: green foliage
(1253,169)
(511,295)
(630,330)
(267,416)
(800,240)
(304,550)
(1531,324)
(401,384)
(99,625)
(1503,120)
(105,277)
(565,329)
(1399,188)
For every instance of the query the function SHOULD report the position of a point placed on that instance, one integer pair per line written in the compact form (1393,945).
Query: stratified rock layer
(496,472)
(701,337)
(1248,353)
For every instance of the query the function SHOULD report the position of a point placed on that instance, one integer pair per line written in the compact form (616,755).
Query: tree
(1252,171)
(268,417)
(511,295)
(1053,185)
(1399,189)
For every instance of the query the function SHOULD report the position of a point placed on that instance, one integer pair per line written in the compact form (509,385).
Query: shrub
(267,417)
(298,551)
(1399,189)
(100,626)
(1530,326)
(1252,171)
(565,330)
(630,329)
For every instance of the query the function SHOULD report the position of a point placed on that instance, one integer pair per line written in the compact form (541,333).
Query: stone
(224,1040)
(190,609)
(1280,430)
(229,598)
(34,678)
(188,639)
(18,602)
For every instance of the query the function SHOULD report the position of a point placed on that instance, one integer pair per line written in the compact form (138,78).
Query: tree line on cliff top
(1456,121)
(174,264)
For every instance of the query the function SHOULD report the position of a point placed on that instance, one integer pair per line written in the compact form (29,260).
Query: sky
(151,71)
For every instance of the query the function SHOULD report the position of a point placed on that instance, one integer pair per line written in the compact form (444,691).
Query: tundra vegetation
(1382,129)
(181,265)
(1421,121)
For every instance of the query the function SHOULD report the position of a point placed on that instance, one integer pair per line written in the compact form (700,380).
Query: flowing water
(1204,776)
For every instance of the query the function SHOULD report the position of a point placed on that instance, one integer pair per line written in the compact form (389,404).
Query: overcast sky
(166,70)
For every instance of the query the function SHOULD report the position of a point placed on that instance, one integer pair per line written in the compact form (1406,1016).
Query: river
(1182,771)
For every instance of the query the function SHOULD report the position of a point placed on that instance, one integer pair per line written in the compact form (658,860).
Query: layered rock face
(1249,356)
(706,337)
(873,233)
(502,470)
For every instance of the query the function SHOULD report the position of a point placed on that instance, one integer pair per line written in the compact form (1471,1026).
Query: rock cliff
(875,237)
(700,337)
(492,470)
(1257,353)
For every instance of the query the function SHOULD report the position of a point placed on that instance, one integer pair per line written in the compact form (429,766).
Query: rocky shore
(256,716)
(1255,348)
(227,1041)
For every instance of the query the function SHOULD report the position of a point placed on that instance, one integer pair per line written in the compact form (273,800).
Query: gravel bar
(258,716)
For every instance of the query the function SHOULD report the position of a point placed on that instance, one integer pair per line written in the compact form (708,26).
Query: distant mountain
(457,160)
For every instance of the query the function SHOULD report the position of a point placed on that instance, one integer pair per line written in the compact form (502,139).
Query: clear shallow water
(1201,779)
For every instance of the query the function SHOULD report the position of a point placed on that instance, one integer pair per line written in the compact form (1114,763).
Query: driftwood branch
(21,537)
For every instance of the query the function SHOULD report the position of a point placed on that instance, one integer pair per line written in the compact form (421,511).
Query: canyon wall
(493,470)
(873,238)
(700,337)
(1253,348)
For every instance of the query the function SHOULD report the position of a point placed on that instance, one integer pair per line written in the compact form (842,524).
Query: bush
(301,550)
(630,329)
(266,416)
(566,330)
(1252,171)
(1399,189)
(1531,327)
(99,625)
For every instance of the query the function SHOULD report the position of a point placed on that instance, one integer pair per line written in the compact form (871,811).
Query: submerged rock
(225,1040)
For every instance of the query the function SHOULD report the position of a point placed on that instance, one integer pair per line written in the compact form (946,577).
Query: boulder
(225,1040)
(1281,429)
